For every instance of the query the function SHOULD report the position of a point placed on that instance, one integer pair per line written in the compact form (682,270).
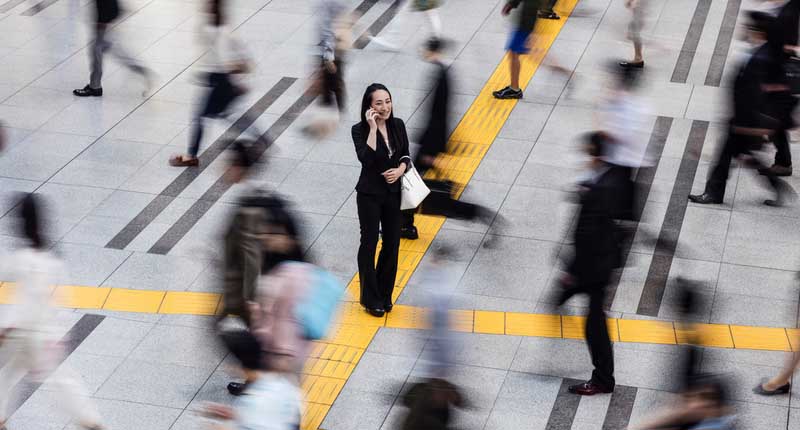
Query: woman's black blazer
(375,162)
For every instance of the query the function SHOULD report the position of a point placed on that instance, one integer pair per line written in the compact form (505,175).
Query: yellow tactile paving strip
(336,356)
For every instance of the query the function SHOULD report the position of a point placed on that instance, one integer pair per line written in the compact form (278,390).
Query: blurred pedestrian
(261,235)
(782,382)
(431,404)
(430,8)
(704,405)
(752,123)
(29,340)
(433,139)
(637,8)
(381,145)
(547,12)
(273,400)
(106,12)
(224,63)
(624,122)
(335,28)
(596,255)
(519,42)
(782,39)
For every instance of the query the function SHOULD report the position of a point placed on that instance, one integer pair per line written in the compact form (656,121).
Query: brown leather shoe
(589,388)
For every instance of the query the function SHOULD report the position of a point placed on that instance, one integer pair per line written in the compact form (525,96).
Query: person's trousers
(333,89)
(598,340)
(378,215)
(30,354)
(223,92)
(100,45)
(550,5)
(784,104)
(735,145)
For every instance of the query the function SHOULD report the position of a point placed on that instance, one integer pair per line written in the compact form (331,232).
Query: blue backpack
(315,311)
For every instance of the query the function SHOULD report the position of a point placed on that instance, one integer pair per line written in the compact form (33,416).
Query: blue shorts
(518,42)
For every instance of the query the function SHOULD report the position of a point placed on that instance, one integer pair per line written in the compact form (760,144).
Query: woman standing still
(382,147)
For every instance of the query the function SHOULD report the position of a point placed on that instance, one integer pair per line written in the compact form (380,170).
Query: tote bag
(413,189)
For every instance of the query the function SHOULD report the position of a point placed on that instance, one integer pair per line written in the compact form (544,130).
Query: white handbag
(413,189)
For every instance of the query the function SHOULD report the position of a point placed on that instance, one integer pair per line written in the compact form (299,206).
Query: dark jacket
(375,162)
(783,31)
(597,248)
(433,140)
(527,13)
(107,11)
(749,107)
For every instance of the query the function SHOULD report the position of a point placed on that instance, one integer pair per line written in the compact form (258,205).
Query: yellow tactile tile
(324,390)
(313,414)
(184,302)
(794,338)
(408,261)
(490,322)
(7,293)
(80,297)
(572,327)
(351,335)
(407,317)
(134,300)
(644,331)
(354,313)
(766,338)
(533,324)
(463,321)
(714,335)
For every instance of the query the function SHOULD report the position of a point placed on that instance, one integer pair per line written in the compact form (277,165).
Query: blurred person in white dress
(29,341)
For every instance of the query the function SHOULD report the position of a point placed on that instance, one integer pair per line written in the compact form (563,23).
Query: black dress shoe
(377,312)
(237,388)
(409,233)
(88,91)
(589,388)
(631,65)
(705,199)
(783,389)
(388,308)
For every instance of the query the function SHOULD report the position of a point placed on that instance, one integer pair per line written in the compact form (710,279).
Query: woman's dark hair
(759,21)
(32,220)
(366,102)
(596,143)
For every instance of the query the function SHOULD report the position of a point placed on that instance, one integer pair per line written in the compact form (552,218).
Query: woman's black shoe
(388,308)
(237,388)
(376,312)
(783,389)
(632,65)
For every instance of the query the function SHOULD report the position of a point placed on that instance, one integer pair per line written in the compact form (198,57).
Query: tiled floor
(100,162)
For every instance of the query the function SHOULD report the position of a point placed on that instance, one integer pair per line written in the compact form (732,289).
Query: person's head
(378,98)
(595,145)
(32,220)
(246,349)
(628,78)
(757,25)
(433,49)
(242,159)
(216,14)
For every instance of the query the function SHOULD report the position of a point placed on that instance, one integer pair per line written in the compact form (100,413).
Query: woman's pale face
(382,103)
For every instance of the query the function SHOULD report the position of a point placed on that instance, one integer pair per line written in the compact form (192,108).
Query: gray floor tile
(749,310)
(156,272)
(114,337)
(553,357)
(90,370)
(319,187)
(380,373)
(402,342)
(528,394)
(42,411)
(184,346)
(88,265)
(122,415)
(373,409)
(160,384)
(483,350)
